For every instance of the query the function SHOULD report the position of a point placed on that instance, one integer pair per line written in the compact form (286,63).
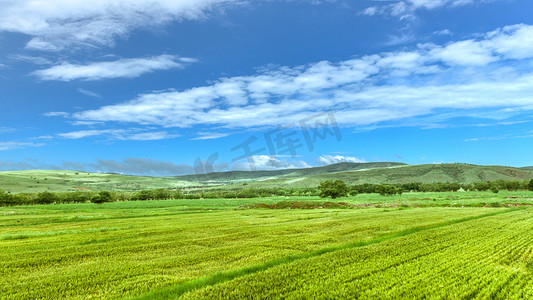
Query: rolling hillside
(351,173)
(68,181)
(287,173)
(462,173)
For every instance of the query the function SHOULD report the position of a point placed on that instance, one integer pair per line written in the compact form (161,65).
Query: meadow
(438,245)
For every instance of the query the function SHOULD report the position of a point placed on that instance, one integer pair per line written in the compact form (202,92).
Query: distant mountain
(527,168)
(287,173)
(463,173)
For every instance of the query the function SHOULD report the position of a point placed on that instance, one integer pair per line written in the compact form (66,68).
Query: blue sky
(167,87)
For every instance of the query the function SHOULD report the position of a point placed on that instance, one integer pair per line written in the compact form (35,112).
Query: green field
(67,181)
(436,245)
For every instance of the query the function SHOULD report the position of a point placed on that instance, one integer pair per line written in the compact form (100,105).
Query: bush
(333,189)
(46,198)
(387,190)
(101,197)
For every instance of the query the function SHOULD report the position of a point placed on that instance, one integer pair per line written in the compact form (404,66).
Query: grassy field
(215,248)
(68,181)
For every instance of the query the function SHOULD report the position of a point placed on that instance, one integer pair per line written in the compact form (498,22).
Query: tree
(101,197)
(333,189)
(4,197)
(387,190)
(530,185)
(46,198)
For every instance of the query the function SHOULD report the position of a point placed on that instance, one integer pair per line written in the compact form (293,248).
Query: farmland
(460,245)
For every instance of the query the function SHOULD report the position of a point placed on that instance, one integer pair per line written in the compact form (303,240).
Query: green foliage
(101,197)
(333,189)
(530,185)
(46,198)
(388,190)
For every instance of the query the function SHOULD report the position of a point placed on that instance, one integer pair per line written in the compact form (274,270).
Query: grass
(132,248)
(480,258)
(221,277)
(68,181)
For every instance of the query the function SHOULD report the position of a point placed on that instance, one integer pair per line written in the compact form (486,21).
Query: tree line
(338,188)
(46,197)
(328,188)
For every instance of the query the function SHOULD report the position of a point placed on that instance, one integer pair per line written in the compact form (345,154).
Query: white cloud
(514,41)
(361,91)
(89,93)
(268,162)
(127,68)
(4,146)
(464,53)
(6,129)
(327,159)
(406,9)
(32,59)
(141,166)
(210,135)
(56,114)
(62,24)
(119,134)
(443,32)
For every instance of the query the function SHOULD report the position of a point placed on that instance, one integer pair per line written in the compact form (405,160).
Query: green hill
(463,173)
(233,176)
(351,173)
(65,181)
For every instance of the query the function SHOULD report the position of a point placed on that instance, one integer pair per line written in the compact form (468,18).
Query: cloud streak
(406,9)
(119,134)
(366,90)
(55,25)
(327,159)
(10,145)
(123,68)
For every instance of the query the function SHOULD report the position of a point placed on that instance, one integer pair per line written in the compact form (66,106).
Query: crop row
(483,259)
(58,255)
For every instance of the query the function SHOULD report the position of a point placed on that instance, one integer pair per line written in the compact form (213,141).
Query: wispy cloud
(6,129)
(268,162)
(55,25)
(141,166)
(38,60)
(4,146)
(405,9)
(126,68)
(56,114)
(443,32)
(327,159)
(210,135)
(119,134)
(362,91)
(89,93)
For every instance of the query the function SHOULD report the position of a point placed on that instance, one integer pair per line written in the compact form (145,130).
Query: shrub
(46,198)
(387,190)
(101,197)
(333,189)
